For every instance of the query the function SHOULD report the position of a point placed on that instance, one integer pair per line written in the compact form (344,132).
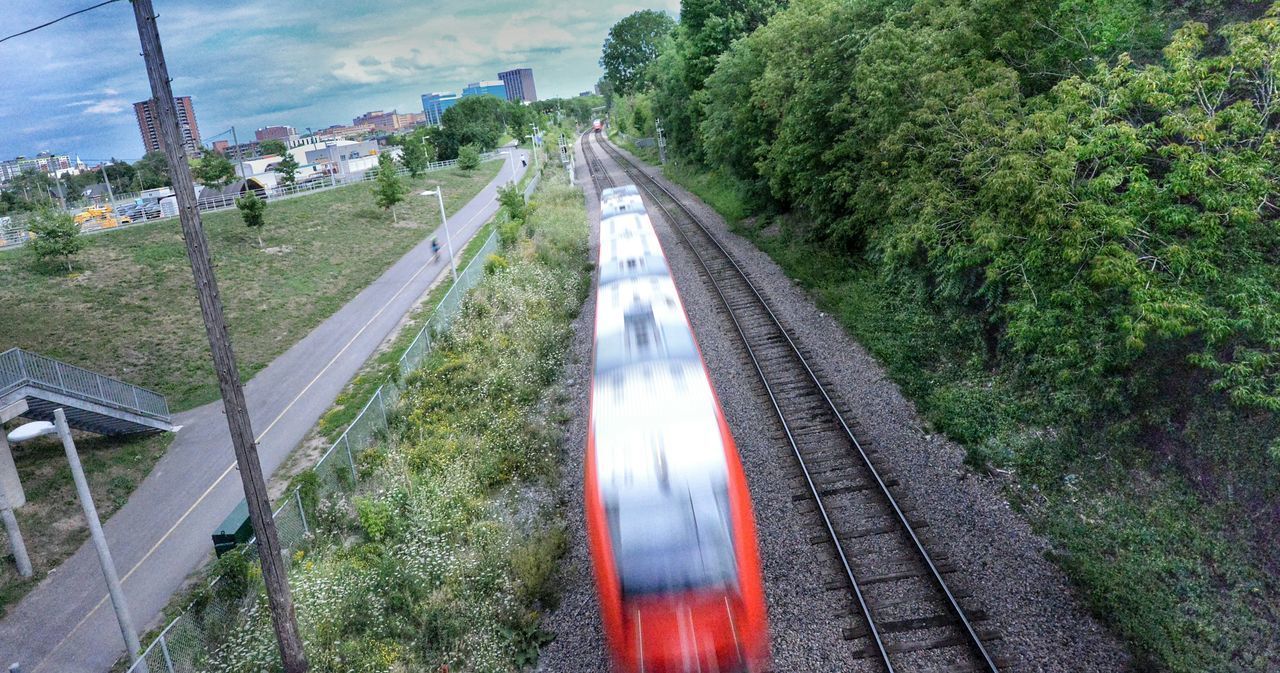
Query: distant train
(669,518)
(597,126)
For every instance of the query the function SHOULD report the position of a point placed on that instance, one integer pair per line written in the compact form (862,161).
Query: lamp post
(438,192)
(35,429)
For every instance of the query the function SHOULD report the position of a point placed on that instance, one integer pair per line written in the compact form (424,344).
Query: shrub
(512,199)
(468,157)
(57,237)
(375,517)
(253,211)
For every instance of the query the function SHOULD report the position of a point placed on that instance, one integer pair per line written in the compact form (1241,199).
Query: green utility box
(236,529)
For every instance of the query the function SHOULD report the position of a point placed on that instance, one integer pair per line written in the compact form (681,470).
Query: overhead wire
(61,18)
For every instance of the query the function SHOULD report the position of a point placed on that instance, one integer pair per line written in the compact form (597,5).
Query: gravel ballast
(997,558)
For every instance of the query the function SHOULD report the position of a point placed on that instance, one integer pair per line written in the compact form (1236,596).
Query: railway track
(904,611)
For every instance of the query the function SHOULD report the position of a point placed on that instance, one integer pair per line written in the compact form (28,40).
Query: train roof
(621,204)
(629,248)
(640,320)
(656,429)
(624,190)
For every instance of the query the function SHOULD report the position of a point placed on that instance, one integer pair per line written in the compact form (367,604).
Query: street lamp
(438,192)
(36,429)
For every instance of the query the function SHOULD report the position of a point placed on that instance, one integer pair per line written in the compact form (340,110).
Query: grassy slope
(445,552)
(52,522)
(376,371)
(130,309)
(1152,559)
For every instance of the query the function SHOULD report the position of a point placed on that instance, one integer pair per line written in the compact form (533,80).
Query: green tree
(512,199)
(287,169)
(632,46)
(414,156)
(151,171)
(272,147)
(389,189)
(253,211)
(469,158)
(57,236)
(213,170)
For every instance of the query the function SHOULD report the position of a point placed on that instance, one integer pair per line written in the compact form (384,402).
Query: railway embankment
(1030,616)
(441,558)
(1152,559)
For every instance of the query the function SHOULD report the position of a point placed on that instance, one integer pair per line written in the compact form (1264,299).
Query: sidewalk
(66,625)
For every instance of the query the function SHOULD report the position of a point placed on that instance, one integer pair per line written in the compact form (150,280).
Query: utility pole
(274,574)
(662,142)
(110,196)
(239,153)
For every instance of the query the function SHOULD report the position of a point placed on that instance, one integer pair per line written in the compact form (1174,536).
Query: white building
(318,159)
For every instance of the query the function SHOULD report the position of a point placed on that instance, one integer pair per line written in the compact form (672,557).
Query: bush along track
(441,558)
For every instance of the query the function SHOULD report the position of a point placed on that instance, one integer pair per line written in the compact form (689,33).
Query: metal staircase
(92,402)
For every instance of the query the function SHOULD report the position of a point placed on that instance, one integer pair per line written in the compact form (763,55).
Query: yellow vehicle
(100,217)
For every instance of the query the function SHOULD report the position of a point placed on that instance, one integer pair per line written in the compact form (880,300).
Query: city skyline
(301,65)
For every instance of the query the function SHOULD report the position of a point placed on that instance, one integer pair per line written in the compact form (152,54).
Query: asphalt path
(67,625)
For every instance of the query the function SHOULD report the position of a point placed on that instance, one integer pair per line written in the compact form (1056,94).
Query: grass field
(52,522)
(129,309)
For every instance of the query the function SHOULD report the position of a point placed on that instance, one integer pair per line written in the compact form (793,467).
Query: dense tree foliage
(632,46)
(213,170)
(272,147)
(581,109)
(479,121)
(1086,209)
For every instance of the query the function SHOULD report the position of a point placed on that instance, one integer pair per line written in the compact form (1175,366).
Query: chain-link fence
(186,643)
(14,230)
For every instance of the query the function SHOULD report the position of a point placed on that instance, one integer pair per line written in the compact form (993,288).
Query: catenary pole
(274,574)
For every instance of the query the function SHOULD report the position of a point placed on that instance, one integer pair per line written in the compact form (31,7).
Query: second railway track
(902,606)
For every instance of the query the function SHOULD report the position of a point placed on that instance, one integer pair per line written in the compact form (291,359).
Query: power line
(61,18)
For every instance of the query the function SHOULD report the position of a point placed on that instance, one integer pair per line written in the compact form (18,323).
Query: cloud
(297,62)
(110,106)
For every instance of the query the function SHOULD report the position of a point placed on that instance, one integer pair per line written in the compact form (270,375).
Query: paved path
(66,625)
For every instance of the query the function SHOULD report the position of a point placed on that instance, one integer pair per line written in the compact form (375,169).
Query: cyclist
(435,249)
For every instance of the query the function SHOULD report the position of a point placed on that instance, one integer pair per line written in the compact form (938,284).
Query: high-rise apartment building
(149,125)
(519,85)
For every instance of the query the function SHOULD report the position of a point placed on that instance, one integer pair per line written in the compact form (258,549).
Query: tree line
(1092,184)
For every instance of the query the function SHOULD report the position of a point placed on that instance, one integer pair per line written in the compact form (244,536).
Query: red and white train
(669,518)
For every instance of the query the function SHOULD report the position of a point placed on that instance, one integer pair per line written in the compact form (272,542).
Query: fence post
(302,514)
(351,461)
(382,405)
(164,649)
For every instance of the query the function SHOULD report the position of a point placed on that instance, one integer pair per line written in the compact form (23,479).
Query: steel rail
(934,573)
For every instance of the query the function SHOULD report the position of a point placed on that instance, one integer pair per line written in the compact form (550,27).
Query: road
(66,625)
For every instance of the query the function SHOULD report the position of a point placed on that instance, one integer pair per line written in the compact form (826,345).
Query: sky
(70,88)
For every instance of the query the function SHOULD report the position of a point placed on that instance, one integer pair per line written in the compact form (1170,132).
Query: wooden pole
(274,573)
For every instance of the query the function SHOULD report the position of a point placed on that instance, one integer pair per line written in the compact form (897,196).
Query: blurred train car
(597,126)
(669,518)
(618,200)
